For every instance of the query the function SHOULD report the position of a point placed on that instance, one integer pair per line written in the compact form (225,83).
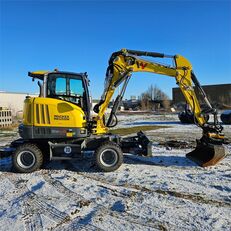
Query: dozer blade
(207,154)
(138,145)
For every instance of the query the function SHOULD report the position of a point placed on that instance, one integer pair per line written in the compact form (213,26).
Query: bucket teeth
(207,154)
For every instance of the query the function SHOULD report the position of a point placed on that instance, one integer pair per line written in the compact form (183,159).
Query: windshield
(65,86)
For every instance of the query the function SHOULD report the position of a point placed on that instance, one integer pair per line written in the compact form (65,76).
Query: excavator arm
(121,66)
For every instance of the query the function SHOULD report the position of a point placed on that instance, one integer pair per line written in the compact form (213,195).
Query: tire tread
(105,145)
(38,156)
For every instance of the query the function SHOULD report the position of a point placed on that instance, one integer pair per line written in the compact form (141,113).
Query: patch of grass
(12,127)
(131,130)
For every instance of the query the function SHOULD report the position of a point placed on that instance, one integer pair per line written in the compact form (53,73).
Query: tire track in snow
(48,210)
(30,215)
(34,205)
(32,219)
(60,187)
(192,197)
(144,192)
(81,201)
(100,212)
(99,208)
(76,225)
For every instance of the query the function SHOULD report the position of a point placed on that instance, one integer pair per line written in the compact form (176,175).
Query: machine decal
(67,149)
(141,64)
(61,117)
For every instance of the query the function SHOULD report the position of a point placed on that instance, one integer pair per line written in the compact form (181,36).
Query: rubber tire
(188,118)
(108,145)
(226,118)
(37,155)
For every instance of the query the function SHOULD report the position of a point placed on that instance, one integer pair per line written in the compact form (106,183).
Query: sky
(79,36)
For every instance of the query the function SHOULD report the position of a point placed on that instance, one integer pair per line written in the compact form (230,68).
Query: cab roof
(40,74)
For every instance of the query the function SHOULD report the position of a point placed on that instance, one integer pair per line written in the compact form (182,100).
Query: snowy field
(163,192)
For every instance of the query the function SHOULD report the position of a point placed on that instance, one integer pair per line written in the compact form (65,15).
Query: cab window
(60,88)
(76,87)
(66,87)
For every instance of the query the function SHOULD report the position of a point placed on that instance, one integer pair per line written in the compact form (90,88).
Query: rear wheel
(27,158)
(109,157)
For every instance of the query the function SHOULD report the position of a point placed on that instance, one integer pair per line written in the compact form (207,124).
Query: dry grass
(12,127)
(131,130)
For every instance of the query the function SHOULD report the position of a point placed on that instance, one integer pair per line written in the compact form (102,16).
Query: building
(5,117)
(219,94)
(13,101)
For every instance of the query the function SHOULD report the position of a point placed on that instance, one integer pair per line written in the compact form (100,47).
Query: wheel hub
(109,157)
(26,159)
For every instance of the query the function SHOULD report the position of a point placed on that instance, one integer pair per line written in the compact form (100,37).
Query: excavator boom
(122,64)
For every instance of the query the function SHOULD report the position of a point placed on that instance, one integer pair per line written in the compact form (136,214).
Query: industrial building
(219,95)
(13,101)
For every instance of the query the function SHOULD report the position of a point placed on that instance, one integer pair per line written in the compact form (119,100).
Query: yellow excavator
(58,124)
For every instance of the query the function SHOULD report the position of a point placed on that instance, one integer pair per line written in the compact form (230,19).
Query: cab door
(71,88)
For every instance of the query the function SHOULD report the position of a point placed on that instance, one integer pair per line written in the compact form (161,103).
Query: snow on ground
(163,192)
(175,130)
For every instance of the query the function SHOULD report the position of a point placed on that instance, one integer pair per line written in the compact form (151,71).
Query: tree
(145,99)
(153,96)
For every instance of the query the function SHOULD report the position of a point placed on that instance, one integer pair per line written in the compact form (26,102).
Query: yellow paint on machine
(50,112)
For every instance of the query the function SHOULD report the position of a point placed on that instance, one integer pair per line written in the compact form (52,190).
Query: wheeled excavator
(58,125)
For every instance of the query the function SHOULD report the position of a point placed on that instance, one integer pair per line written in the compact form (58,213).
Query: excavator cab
(67,86)
(62,109)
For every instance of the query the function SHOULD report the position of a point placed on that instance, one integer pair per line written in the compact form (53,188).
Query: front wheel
(27,158)
(109,156)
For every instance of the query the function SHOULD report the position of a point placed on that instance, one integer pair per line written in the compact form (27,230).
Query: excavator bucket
(207,154)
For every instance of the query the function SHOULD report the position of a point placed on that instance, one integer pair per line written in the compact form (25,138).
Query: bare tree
(145,101)
(152,96)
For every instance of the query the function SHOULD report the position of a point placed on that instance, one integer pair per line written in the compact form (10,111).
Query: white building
(13,101)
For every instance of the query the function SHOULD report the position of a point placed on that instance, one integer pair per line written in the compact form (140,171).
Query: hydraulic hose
(146,53)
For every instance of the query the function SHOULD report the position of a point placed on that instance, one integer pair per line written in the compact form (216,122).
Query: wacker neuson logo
(61,117)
